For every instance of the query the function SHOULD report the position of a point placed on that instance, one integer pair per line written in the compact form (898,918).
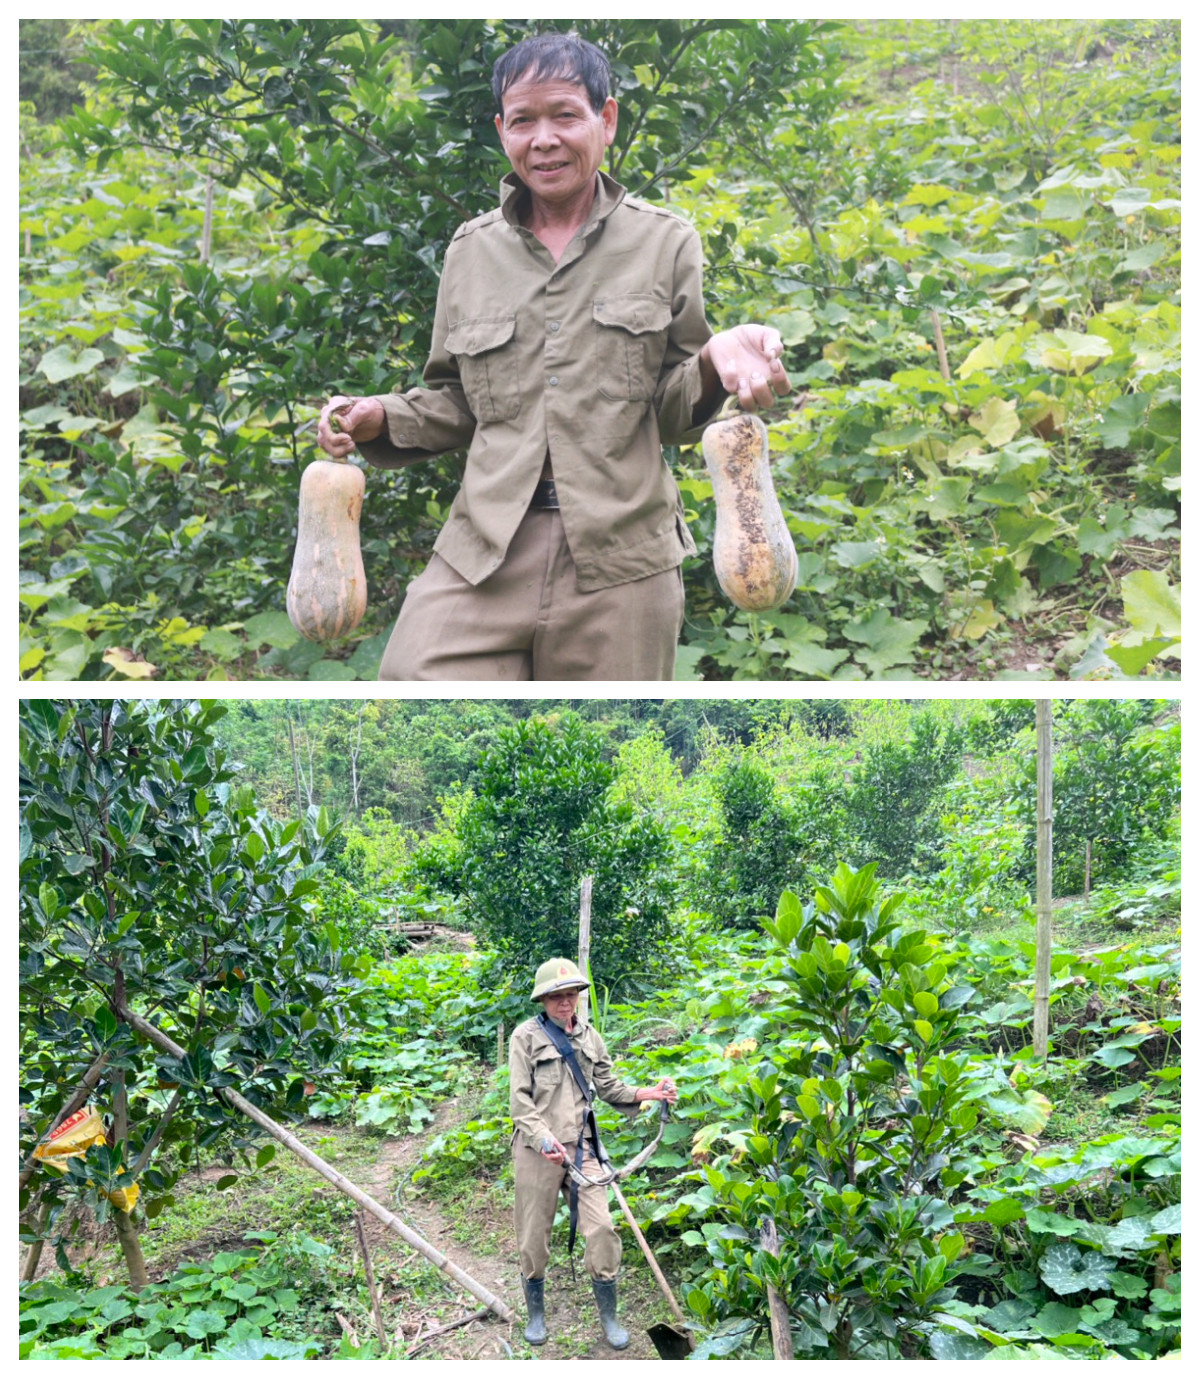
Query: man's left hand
(663,1091)
(746,361)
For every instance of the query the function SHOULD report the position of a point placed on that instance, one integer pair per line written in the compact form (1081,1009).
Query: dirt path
(570,1308)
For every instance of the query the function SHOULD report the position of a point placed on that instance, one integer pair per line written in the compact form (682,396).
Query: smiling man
(569,344)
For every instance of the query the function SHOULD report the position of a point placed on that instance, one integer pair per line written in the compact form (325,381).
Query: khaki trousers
(529,622)
(538,1185)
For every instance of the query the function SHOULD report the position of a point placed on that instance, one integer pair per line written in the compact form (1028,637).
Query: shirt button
(554,326)
(554,380)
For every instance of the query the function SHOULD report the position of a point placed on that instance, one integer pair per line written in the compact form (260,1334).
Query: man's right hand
(360,419)
(552,1150)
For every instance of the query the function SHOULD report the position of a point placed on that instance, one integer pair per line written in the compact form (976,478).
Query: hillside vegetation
(967,233)
(822,932)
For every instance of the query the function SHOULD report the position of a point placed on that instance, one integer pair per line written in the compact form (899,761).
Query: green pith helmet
(557,974)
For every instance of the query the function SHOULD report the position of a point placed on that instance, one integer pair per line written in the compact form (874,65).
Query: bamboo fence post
(206,232)
(361,1233)
(1045,879)
(585,939)
(781,1327)
(339,1180)
(940,341)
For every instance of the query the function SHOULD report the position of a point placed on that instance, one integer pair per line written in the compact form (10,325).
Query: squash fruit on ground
(753,554)
(327,591)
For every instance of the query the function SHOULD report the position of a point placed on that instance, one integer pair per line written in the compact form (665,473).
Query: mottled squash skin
(753,554)
(327,593)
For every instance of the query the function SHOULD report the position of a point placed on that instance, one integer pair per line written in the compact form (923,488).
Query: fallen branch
(340,1181)
(441,1331)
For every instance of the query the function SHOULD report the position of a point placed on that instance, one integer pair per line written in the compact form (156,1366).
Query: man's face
(554,140)
(560,1006)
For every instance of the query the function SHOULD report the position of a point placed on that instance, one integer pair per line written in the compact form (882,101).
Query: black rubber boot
(535,1304)
(605,1290)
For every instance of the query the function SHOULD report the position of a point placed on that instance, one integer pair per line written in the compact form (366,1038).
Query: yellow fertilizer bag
(73,1138)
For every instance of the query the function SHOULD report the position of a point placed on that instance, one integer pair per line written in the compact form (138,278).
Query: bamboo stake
(781,1327)
(659,1278)
(1045,880)
(340,1181)
(370,1272)
(940,341)
(206,232)
(585,939)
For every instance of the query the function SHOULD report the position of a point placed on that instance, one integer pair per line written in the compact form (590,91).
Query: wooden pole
(781,1326)
(361,1233)
(206,232)
(939,341)
(659,1278)
(340,1181)
(585,939)
(1045,880)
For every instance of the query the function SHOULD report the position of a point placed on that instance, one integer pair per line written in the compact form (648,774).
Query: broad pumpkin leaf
(1026,1111)
(1066,351)
(1067,1269)
(997,421)
(1152,604)
(63,362)
(125,663)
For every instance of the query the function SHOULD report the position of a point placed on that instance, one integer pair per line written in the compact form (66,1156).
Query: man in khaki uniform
(552,1122)
(569,343)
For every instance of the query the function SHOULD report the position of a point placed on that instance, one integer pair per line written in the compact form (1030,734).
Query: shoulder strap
(560,1041)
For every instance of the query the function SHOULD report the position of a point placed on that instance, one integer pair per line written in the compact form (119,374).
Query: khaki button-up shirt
(591,362)
(544,1099)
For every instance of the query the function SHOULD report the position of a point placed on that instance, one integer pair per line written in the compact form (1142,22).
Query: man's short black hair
(554,57)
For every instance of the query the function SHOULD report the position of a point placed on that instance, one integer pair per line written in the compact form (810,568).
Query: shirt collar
(609,195)
(576,1030)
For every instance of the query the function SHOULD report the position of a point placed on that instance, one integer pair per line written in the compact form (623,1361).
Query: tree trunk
(585,939)
(33,1255)
(1087,870)
(781,1326)
(1045,880)
(131,1248)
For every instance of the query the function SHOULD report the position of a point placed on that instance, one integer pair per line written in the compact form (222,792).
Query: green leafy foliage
(239,1305)
(1014,513)
(540,821)
(857,1125)
(152,885)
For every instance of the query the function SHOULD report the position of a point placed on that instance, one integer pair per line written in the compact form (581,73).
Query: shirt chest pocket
(548,1074)
(631,339)
(487,363)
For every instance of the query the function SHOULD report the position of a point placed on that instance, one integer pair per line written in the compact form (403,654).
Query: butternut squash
(327,591)
(753,554)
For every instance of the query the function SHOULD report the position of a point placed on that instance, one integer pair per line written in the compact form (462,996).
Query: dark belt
(545,495)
